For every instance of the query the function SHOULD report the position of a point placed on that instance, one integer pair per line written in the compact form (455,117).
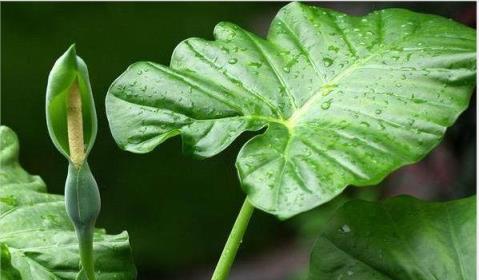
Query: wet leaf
(345,100)
(37,240)
(401,238)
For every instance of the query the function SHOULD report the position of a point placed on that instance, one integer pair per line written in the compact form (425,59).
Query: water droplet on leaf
(325,105)
(327,61)
(345,228)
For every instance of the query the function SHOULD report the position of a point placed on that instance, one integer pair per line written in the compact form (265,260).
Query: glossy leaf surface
(37,240)
(401,238)
(345,100)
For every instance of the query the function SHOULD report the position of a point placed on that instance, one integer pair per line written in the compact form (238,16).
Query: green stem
(85,240)
(232,244)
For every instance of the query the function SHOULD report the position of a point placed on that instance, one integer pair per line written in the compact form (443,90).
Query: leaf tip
(72,48)
(70,56)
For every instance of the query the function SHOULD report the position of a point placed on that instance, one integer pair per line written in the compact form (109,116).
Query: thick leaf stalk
(235,238)
(71,121)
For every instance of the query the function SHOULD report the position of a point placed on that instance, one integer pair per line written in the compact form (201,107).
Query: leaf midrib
(335,80)
(291,121)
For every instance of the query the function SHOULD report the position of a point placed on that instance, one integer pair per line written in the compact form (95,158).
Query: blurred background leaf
(176,229)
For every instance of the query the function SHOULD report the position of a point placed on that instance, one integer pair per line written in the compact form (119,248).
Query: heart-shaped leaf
(345,99)
(37,240)
(401,238)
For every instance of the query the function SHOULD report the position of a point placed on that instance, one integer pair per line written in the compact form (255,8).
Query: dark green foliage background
(178,211)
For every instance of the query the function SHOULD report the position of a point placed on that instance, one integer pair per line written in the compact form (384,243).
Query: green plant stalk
(82,201)
(232,244)
(83,230)
(85,241)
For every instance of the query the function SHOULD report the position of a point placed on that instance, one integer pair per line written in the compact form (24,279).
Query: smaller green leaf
(37,239)
(67,72)
(402,238)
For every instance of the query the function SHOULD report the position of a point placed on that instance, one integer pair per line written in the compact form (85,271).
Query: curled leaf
(70,74)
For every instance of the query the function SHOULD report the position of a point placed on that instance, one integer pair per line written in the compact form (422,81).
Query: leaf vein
(231,79)
(295,38)
(275,71)
(183,78)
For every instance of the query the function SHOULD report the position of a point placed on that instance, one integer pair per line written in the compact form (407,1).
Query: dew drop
(230,35)
(366,124)
(327,61)
(333,48)
(255,64)
(419,101)
(232,61)
(345,228)
(343,123)
(325,105)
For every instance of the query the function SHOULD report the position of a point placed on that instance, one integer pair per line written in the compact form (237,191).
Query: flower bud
(69,91)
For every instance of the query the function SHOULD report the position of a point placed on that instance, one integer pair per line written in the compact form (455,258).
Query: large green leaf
(401,238)
(345,99)
(37,240)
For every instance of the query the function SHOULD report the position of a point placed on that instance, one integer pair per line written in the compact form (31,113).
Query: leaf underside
(401,238)
(345,100)
(37,237)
